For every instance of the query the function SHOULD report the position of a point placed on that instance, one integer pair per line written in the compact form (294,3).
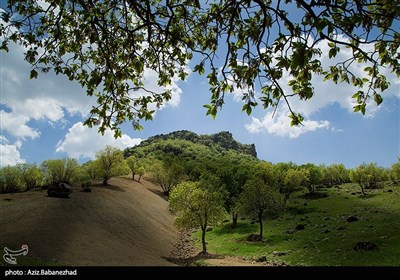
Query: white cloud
(82,141)
(279,125)
(50,97)
(150,79)
(3,139)
(17,126)
(9,154)
(326,93)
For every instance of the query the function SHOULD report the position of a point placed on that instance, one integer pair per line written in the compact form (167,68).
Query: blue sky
(42,119)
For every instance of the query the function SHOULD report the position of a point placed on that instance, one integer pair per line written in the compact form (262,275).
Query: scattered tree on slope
(196,206)
(260,200)
(110,162)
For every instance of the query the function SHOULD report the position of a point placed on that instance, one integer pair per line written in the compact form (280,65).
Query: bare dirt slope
(123,224)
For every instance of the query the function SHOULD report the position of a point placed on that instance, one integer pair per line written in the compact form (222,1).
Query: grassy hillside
(327,238)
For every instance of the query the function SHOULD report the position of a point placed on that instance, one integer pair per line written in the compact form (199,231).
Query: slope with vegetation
(210,179)
(339,227)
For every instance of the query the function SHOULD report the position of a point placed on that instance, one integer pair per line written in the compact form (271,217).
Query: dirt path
(123,224)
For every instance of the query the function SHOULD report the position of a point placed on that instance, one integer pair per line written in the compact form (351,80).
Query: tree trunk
(285,198)
(234,219)
(362,188)
(261,226)
(140,176)
(203,240)
(105,181)
(133,176)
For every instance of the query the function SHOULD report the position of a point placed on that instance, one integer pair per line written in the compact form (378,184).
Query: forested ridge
(220,142)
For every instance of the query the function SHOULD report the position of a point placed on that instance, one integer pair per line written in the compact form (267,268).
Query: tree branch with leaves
(107,46)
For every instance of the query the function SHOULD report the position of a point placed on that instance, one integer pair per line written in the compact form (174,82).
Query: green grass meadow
(327,239)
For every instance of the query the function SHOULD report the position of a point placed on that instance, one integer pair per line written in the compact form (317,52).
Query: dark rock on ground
(365,246)
(253,238)
(299,227)
(262,259)
(278,254)
(352,219)
(184,249)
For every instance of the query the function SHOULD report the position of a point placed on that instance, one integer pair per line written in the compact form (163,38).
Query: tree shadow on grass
(315,195)
(249,234)
(242,228)
(367,196)
(300,210)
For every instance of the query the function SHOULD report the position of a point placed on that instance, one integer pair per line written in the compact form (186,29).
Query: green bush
(10,179)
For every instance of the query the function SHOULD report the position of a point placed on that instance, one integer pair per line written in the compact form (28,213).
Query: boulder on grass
(352,219)
(300,227)
(253,238)
(365,246)
(262,259)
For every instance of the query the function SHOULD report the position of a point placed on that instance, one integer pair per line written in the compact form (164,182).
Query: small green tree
(141,172)
(360,175)
(31,175)
(167,173)
(278,176)
(133,164)
(376,174)
(59,170)
(315,177)
(196,206)
(265,171)
(367,175)
(260,200)
(294,180)
(395,171)
(90,169)
(10,179)
(110,162)
(335,174)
